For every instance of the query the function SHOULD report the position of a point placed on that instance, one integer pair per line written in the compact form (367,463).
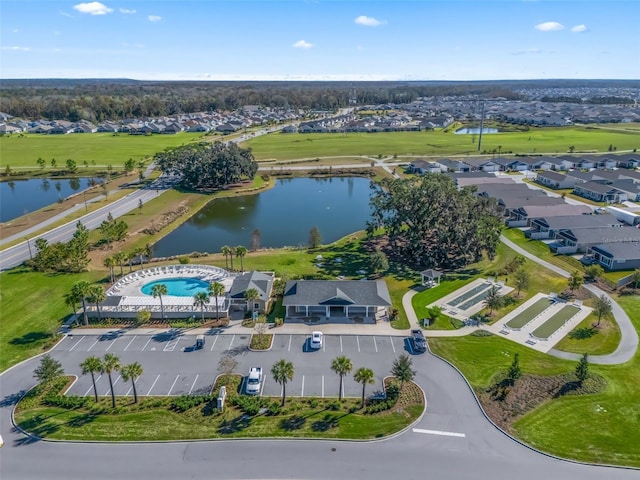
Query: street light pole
(29,245)
(84,195)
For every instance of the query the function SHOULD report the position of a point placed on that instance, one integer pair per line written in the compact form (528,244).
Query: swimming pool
(178,287)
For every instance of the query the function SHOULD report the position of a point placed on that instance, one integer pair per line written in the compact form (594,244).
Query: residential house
(421,166)
(536,163)
(360,300)
(631,160)
(483,164)
(448,165)
(628,186)
(549,227)
(599,192)
(560,163)
(555,180)
(260,281)
(523,216)
(511,164)
(615,256)
(573,241)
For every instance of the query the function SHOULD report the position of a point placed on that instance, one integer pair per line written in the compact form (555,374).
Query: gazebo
(431,277)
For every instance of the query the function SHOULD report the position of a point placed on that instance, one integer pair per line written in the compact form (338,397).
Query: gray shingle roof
(604,235)
(579,221)
(619,250)
(337,292)
(262,282)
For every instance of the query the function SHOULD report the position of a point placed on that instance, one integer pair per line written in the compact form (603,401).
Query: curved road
(476,450)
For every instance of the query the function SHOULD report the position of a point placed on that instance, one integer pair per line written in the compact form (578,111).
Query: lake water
(475,131)
(18,197)
(284,215)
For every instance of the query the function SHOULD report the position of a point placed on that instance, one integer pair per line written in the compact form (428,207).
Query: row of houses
(568,229)
(600,185)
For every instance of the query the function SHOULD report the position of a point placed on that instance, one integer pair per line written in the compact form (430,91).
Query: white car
(254,381)
(316,340)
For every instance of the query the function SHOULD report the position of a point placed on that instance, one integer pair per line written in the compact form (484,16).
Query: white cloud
(93,8)
(15,49)
(65,14)
(154,18)
(579,28)
(368,21)
(302,44)
(127,11)
(549,26)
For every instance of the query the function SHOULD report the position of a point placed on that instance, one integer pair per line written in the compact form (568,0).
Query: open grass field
(529,314)
(603,427)
(586,337)
(552,140)
(22,151)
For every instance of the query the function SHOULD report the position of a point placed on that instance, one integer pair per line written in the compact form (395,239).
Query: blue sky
(325,40)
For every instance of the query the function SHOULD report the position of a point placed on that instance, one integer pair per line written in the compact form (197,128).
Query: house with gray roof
(449,165)
(357,300)
(523,216)
(555,180)
(628,186)
(550,227)
(572,241)
(599,192)
(560,163)
(615,256)
(260,281)
(630,160)
(422,166)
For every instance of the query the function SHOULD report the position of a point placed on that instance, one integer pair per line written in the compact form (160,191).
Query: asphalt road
(453,440)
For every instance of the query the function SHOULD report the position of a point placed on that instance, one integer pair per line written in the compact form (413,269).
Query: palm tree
(401,369)
(363,375)
(493,299)
(130,256)
(282,372)
(602,308)
(92,365)
(201,299)
(81,291)
(342,366)
(110,364)
(139,252)
(131,372)
(110,263)
(71,300)
(217,290)
(232,252)
(241,251)
(158,290)
(96,295)
(251,295)
(226,251)
(120,258)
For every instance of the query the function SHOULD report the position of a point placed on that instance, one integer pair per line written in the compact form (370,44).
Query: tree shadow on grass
(238,424)
(583,333)
(328,422)
(295,422)
(567,388)
(29,338)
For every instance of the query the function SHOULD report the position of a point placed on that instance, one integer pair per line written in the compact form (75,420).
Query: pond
(475,130)
(19,197)
(283,215)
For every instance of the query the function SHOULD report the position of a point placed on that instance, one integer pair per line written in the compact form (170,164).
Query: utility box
(222,396)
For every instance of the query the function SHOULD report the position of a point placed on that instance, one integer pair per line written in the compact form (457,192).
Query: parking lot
(172,366)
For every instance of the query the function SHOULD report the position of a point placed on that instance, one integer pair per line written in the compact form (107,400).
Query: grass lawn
(428,296)
(586,338)
(156,418)
(549,140)
(603,427)
(33,308)
(555,322)
(529,314)
(22,151)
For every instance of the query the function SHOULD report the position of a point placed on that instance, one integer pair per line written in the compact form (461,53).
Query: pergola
(431,276)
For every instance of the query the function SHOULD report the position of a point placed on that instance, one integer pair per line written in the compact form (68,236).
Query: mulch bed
(505,404)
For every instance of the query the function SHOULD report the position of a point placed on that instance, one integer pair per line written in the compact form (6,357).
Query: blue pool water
(178,287)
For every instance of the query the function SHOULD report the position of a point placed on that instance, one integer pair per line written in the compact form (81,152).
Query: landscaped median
(45,413)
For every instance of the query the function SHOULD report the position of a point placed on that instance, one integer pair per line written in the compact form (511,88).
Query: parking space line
(375,344)
(111,344)
(358,342)
(75,344)
(128,392)
(214,342)
(322,386)
(232,339)
(91,387)
(340,343)
(125,348)
(171,345)
(154,384)
(302,391)
(324,343)
(392,345)
(439,432)
(290,337)
(145,345)
(410,347)
(264,380)
(174,384)
(114,384)
(194,383)
(92,345)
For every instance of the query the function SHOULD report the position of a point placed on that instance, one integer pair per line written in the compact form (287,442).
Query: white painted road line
(171,345)
(231,343)
(128,391)
(214,342)
(439,432)
(174,384)
(154,384)
(340,343)
(145,345)
(392,345)
(302,391)
(358,342)
(75,344)
(375,345)
(91,387)
(114,384)
(111,344)
(322,386)
(290,337)
(194,384)
(125,348)
(93,344)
